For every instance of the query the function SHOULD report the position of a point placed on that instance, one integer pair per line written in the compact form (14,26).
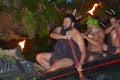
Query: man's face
(113,21)
(92,27)
(67,22)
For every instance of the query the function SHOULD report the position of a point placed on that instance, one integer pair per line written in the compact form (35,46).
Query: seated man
(113,33)
(62,55)
(95,37)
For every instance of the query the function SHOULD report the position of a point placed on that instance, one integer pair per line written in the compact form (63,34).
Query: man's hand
(113,27)
(83,35)
(79,68)
(67,37)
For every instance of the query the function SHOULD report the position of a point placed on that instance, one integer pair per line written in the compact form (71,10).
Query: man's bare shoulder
(78,37)
(57,29)
(108,27)
(76,31)
(102,31)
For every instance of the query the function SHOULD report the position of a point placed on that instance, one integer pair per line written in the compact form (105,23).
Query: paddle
(118,34)
(76,59)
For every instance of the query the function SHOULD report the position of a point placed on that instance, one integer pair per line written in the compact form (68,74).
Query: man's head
(69,21)
(114,20)
(92,23)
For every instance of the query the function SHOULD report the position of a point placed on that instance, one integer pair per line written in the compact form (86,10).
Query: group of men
(62,55)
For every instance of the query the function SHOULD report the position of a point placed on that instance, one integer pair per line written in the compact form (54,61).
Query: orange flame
(22,44)
(94,7)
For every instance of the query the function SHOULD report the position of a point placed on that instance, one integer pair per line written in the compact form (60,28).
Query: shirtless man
(114,32)
(95,37)
(62,56)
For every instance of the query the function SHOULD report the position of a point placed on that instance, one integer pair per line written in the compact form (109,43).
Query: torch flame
(94,7)
(22,44)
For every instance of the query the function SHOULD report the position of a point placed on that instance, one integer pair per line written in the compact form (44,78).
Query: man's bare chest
(114,33)
(93,35)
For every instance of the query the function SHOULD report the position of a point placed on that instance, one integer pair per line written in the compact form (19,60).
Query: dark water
(35,46)
(109,72)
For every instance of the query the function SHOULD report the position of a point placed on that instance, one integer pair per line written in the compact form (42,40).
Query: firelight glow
(93,8)
(22,44)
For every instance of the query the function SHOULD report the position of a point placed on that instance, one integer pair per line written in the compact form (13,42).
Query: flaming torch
(94,7)
(22,44)
(91,12)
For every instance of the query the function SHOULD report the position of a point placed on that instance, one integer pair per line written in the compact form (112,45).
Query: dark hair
(72,18)
(115,17)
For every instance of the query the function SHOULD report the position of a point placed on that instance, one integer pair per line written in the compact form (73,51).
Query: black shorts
(89,53)
(111,50)
(55,57)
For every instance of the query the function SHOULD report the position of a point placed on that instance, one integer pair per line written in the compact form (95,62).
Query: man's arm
(87,32)
(80,41)
(108,30)
(95,42)
(56,33)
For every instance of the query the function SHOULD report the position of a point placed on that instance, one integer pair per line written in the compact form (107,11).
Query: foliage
(1,54)
(30,24)
(42,12)
(38,20)
(60,1)
(32,5)
(51,13)
(11,4)
(18,15)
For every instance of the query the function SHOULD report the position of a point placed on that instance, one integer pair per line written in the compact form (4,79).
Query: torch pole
(76,59)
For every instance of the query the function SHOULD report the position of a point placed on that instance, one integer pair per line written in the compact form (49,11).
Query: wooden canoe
(88,66)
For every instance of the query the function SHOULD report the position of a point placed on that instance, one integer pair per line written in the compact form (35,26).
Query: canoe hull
(88,66)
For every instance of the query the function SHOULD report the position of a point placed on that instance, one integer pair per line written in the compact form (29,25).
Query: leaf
(30,24)
(32,5)
(60,1)
(43,32)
